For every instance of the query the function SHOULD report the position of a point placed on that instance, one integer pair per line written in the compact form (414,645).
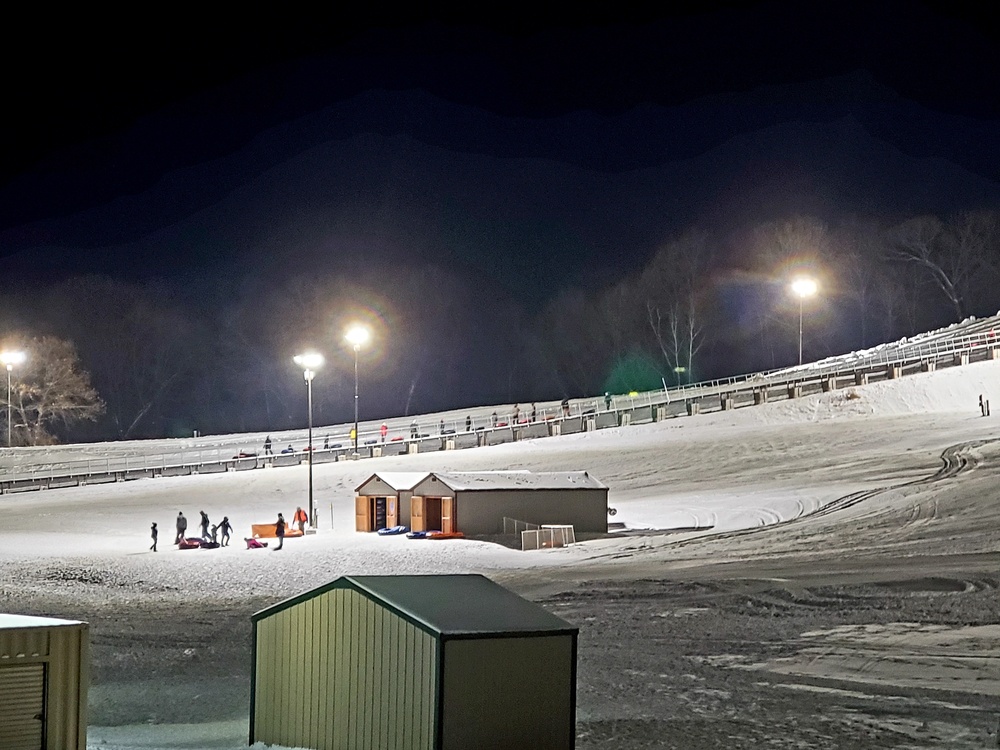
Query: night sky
(520,144)
(529,151)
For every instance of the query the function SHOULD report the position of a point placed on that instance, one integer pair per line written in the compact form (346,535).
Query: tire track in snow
(956,459)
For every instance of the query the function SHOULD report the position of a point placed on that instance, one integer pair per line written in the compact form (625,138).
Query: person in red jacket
(300,518)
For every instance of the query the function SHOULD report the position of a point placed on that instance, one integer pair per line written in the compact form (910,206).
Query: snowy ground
(844,595)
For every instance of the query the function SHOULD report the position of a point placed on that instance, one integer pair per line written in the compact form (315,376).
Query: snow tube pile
(189,544)
(417,535)
(391,530)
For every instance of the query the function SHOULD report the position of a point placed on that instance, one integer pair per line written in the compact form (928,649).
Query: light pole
(9,359)
(803,287)
(309,362)
(356,336)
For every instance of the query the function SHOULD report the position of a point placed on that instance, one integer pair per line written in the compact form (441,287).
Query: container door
(447,515)
(417,513)
(362,514)
(22,707)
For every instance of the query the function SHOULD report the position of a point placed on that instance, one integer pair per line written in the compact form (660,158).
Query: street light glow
(803,287)
(309,360)
(11,358)
(357,335)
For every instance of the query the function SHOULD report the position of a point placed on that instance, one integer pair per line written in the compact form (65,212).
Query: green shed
(44,674)
(413,662)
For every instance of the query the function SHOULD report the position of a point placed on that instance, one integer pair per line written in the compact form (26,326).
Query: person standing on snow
(182,526)
(153,533)
(279,530)
(384,429)
(226,529)
(204,526)
(300,518)
(267,446)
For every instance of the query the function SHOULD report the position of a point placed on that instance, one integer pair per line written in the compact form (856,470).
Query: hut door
(432,514)
(391,514)
(380,512)
(362,514)
(22,707)
(417,513)
(447,515)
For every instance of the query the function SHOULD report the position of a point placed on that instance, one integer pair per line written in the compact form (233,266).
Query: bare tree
(673,285)
(956,255)
(51,391)
(860,259)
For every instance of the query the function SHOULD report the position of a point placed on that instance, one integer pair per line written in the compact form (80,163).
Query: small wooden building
(44,674)
(383,500)
(436,662)
(476,503)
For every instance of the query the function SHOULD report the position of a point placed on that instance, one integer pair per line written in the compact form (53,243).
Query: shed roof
(447,605)
(398,480)
(520,480)
(11,622)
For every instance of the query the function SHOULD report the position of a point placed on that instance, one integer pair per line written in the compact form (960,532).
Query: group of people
(216,536)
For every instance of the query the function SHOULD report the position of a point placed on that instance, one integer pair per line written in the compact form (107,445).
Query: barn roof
(447,605)
(11,622)
(520,480)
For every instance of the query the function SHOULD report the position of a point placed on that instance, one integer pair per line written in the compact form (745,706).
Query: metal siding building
(477,502)
(413,662)
(44,673)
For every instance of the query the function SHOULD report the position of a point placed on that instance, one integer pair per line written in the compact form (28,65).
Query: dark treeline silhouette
(216,356)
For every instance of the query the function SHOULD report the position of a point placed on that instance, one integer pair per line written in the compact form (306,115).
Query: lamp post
(9,359)
(309,362)
(356,336)
(803,287)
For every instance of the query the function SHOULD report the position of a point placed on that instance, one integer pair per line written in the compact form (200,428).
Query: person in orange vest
(300,518)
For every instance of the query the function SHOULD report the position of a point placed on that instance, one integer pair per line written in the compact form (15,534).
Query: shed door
(417,513)
(391,514)
(362,514)
(447,515)
(22,707)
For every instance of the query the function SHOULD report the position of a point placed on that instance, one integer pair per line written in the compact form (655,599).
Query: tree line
(110,359)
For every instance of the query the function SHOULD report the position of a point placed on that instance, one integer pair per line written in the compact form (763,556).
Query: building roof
(12,622)
(447,605)
(520,480)
(398,480)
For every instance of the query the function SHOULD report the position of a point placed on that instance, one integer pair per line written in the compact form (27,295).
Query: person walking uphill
(153,533)
(182,527)
(204,526)
(300,519)
(279,530)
